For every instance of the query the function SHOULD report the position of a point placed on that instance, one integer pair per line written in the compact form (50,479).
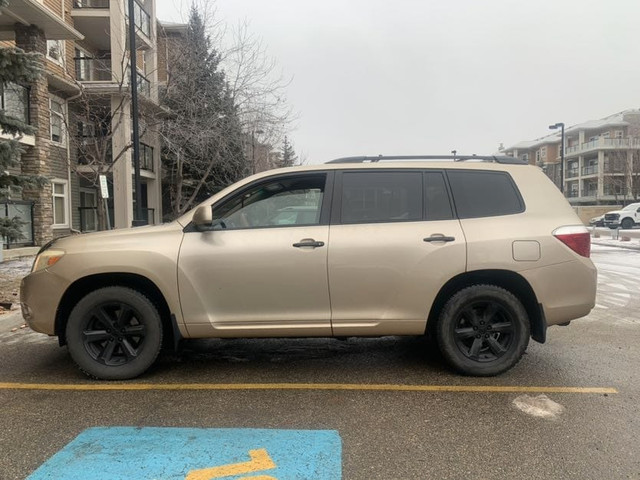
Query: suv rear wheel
(483,330)
(114,333)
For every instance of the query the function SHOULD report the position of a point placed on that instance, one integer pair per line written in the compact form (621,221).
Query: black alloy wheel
(114,333)
(483,330)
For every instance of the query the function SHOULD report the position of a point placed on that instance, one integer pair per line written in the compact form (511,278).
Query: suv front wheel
(114,333)
(483,330)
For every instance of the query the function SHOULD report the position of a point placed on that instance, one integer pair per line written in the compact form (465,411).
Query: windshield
(633,206)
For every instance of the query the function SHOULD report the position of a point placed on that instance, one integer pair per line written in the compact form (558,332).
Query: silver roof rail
(504,159)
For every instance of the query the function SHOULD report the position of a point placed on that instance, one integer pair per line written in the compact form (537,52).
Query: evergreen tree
(19,68)
(288,155)
(203,138)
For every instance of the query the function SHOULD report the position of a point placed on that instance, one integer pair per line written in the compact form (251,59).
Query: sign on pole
(104,190)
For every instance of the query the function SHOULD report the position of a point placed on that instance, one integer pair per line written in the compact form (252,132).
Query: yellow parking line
(304,386)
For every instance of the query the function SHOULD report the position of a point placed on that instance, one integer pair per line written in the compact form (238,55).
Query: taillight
(576,237)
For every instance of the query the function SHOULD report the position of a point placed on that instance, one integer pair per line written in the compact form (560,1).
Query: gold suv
(479,252)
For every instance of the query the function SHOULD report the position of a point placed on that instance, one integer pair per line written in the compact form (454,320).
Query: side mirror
(203,217)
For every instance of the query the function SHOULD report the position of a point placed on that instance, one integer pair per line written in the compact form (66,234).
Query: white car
(625,218)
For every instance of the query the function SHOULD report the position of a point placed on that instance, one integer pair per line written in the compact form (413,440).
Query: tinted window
(437,205)
(484,194)
(381,197)
(281,202)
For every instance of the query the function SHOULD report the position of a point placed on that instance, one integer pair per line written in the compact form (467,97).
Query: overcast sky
(429,76)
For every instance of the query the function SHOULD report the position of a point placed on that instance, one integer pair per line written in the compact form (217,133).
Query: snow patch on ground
(540,406)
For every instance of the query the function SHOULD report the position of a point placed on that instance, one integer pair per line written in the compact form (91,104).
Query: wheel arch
(81,287)
(510,281)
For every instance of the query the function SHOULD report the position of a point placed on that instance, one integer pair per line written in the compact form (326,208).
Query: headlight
(47,259)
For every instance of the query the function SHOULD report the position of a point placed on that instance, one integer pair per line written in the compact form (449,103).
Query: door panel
(261,269)
(255,282)
(384,277)
(394,244)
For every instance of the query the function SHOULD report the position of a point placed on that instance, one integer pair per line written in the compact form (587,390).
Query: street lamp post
(137,212)
(560,125)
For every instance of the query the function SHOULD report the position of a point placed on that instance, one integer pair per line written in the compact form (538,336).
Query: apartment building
(80,108)
(602,159)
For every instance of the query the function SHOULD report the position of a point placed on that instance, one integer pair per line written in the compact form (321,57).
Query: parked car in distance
(481,253)
(625,218)
(597,221)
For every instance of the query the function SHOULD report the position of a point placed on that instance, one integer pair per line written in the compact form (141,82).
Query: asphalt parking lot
(394,408)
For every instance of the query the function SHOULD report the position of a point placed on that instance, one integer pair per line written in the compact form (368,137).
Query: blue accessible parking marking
(149,453)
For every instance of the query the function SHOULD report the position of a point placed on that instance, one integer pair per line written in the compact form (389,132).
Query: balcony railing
(590,170)
(146,157)
(571,173)
(83,154)
(89,218)
(142,20)
(14,101)
(144,85)
(91,4)
(572,194)
(604,143)
(90,69)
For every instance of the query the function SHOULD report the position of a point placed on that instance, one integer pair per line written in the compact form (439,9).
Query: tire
(114,333)
(627,224)
(483,330)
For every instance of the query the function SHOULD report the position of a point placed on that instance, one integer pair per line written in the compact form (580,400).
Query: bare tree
(96,116)
(257,87)
(622,175)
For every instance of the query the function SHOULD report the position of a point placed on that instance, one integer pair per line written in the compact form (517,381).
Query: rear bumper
(566,291)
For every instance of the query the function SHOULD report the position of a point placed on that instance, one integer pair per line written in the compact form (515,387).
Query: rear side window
(484,194)
(373,197)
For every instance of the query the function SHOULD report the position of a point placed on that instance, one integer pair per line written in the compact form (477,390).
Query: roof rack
(504,159)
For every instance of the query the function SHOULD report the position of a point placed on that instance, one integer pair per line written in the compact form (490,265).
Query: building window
(619,133)
(56,108)
(55,50)
(60,195)
(543,152)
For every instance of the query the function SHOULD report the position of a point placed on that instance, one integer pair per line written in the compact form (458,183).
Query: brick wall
(35,161)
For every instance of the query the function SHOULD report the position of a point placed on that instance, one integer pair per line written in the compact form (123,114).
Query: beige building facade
(601,159)
(82,102)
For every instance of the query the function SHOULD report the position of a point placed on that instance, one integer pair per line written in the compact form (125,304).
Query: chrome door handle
(308,242)
(438,238)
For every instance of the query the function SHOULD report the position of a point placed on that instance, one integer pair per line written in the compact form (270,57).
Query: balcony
(142,22)
(146,157)
(142,19)
(590,170)
(603,144)
(90,69)
(571,173)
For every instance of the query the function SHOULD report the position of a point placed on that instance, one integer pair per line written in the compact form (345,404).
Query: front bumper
(40,294)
